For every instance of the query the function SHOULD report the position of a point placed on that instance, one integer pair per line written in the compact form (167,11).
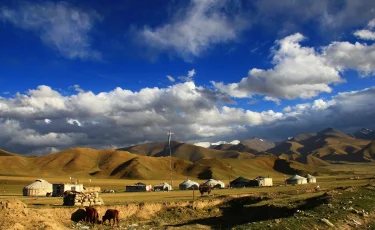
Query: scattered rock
(327,222)
(356,222)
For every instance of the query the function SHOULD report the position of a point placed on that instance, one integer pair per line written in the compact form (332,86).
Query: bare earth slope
(111,163)
(184,151)
(328,144)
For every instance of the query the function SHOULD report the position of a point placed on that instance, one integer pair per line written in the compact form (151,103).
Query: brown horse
(205,188)
(92,215)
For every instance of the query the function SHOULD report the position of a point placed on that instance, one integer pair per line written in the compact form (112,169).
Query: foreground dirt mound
(15,215)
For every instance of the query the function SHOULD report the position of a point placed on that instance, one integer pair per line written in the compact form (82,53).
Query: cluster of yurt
(296,179)
(163,187)
(214,183)
(188,185)
(39,187)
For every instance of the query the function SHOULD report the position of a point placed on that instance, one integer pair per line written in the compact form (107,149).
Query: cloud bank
(42,120)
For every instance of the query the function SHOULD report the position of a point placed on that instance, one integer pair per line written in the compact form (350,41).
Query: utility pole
(170,156)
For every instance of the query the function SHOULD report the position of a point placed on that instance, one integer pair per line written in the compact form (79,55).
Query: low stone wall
(83,199)
(92,189)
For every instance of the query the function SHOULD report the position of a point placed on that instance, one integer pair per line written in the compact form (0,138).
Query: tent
(310,179)
(163,187)
(39,187)
(138,187)
(215,183)
(264,181)
(188,185)
(240,182)
(296,179)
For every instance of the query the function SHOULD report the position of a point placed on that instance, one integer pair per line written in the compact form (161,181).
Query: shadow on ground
(244,210)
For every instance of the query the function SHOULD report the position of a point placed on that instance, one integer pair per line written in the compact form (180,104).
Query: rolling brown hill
(184,151)
(258,144)
(365,154)
(6,153)
(328,144)
(84,162)
(239,148)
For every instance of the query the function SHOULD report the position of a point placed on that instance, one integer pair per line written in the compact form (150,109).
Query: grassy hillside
(365,154)
(328,144)
(85,162)
(5,153)
(258,144)
(239,148)
(184,151)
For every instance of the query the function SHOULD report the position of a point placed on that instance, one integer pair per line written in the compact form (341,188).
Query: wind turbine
(170,156)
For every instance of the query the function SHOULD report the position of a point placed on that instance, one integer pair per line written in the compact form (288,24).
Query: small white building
(189,185)
(296,179)
(39,187)
(310,179)
(59,189)
(215,183)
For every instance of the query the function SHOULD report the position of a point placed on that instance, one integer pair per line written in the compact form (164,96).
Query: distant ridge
(112,163)
(258,144)
(328,144)
(184,151)
(363,133)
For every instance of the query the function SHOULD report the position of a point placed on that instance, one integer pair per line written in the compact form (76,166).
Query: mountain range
(302,154)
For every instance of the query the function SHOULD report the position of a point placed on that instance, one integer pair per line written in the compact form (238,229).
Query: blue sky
(209,70)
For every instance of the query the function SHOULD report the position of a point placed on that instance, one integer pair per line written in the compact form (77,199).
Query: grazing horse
(109,215)
(205,188)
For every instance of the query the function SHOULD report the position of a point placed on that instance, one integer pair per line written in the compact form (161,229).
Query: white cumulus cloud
(195,29)
(60,25)
(299,72)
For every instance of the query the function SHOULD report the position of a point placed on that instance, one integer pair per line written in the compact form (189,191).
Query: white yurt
(188,185)
(215,183)
(39,187)
(296,179)
(310,179)
(163,187)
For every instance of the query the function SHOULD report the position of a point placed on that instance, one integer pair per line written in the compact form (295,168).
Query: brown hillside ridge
(258,144)
(363,133)
(122,164)
(6,153)
(366,154)
(328,144)
(239,148)
(184,151)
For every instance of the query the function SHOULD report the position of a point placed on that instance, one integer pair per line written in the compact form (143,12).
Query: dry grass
(11,187)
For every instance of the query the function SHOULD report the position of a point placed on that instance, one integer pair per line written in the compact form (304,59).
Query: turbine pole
(170,156)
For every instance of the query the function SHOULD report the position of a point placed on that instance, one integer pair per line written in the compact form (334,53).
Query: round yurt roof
(39,184)
(240,180)
(213,181)
(189,182)
(162,184)
(296,177)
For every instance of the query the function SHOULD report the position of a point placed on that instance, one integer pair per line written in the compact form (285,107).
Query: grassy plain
(11,187)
